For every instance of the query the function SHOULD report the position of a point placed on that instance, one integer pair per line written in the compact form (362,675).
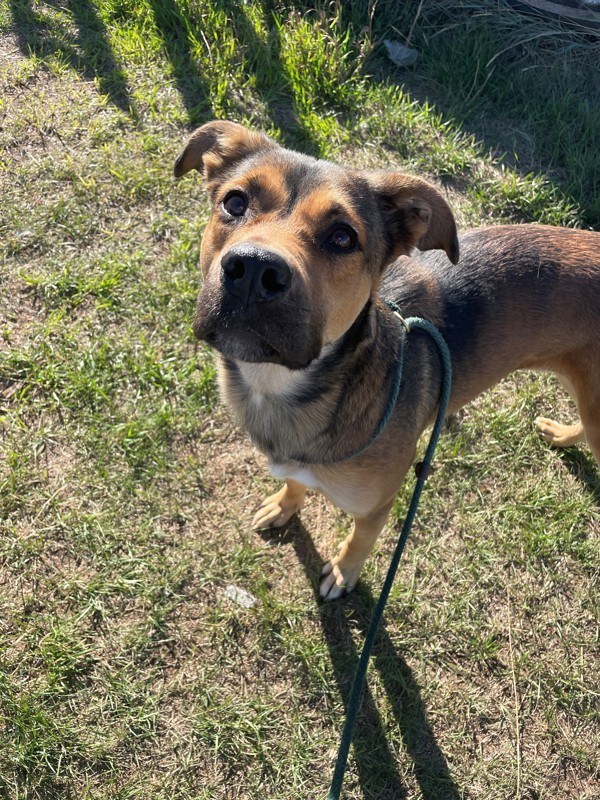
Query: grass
(126,493)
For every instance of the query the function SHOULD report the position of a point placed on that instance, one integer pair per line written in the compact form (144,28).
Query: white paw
(270,515)
(277,509)
(338,579)
(559,435)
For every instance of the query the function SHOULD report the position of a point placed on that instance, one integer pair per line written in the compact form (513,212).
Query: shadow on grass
(583,467)
(376,763)
(277,96)
(264,63)
(525,85)
(173,26)
(86,49)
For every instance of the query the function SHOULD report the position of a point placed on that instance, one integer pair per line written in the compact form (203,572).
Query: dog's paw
(559,435)
(276,510)
(340,576)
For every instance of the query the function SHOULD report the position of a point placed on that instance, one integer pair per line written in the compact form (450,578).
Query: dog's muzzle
(253,307)
(254,275)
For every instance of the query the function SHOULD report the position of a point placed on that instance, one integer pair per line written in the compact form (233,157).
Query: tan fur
(429,221)
(308,348)
(210,147)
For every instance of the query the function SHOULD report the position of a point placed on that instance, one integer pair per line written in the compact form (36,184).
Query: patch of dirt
(236,480)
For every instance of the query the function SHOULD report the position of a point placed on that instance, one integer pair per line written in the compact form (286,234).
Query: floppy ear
(218,144)
(416,214)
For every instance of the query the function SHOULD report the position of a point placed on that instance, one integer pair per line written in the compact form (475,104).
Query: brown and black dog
(297,259)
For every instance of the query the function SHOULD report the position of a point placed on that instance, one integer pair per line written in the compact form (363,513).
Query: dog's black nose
(254,274)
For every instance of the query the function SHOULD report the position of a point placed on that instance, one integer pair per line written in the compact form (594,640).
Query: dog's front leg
(277,509)
(342,571)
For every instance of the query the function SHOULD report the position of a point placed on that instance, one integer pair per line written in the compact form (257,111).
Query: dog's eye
(235,204)
(342,239)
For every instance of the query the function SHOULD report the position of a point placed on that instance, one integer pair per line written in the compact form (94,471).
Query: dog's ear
(416,214)
(216,145)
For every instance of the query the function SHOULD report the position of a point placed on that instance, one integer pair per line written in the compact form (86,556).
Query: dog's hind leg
(277,509)
(590,416)
(584,386)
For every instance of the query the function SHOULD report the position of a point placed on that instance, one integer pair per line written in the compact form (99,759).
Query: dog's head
(295,247)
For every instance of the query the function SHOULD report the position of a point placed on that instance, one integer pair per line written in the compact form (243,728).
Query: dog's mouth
(284,330)
(239,340)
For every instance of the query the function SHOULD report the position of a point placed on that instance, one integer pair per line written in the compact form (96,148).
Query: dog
(298,259)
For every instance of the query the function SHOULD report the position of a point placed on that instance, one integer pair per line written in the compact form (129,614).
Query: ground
(126,491)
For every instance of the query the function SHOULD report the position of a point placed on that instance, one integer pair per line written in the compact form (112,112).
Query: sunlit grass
(126,493)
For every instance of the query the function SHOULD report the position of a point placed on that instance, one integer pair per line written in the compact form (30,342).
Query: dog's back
(528,294)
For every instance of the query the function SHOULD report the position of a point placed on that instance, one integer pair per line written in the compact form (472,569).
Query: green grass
(126,492)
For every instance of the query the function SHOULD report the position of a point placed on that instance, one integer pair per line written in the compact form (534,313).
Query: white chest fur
(270,379)
(301,474)
(343,487)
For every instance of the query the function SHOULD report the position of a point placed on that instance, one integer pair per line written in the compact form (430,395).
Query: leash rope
(423,470)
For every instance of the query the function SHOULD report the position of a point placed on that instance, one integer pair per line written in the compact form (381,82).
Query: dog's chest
(268,413)
(345,491)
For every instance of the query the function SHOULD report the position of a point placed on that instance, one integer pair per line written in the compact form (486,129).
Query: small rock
(240,596)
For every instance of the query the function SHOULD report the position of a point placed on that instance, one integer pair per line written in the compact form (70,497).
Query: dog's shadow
(376,763)
(584,468)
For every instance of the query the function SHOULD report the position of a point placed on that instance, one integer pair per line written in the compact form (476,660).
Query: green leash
(423,470)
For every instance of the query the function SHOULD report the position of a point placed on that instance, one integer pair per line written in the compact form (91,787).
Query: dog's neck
(319,414)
